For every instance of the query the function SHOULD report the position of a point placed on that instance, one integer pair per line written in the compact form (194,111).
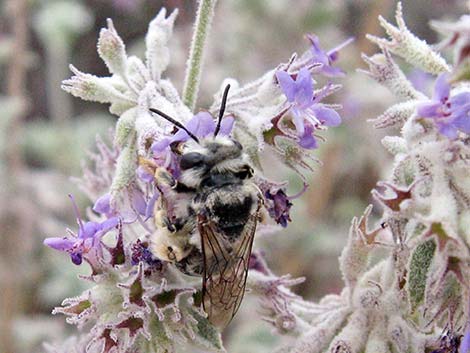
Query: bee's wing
(225,272)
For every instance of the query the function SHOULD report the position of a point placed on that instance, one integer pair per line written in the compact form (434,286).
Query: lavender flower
(141,253)
(327,58)
(305,106)
(451,114)
(278,206)
(203,125)
(87,241)
(420,80)
(465,343)
(134,205)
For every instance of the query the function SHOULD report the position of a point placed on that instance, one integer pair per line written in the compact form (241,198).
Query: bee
(209,230)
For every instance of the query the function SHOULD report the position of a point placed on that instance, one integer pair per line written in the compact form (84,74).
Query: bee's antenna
(174,122)
(222,110)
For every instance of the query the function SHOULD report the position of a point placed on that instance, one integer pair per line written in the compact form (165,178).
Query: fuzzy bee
(208,227)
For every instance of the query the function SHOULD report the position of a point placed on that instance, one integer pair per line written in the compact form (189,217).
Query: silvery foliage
(416,298)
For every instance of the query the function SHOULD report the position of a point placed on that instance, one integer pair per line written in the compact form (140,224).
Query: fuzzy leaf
(125,126)
(125,167)
(420,263)
(396,115)
(394,144)
(93,88)
(208,332)
(384,70)
(406,45)
(158,35)
(112,50)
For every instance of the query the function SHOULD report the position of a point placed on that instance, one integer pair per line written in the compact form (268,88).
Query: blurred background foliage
(45,135)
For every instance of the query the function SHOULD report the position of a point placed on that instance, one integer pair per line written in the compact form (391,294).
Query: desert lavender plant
(137,302)
(416,299)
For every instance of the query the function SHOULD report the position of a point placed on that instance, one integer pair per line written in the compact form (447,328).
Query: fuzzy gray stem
(204,16)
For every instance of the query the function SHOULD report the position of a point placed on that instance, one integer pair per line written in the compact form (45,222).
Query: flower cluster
(415,299)
(450,114)
(140,302)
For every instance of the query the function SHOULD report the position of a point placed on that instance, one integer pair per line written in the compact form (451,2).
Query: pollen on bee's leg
(149,165)
(263,216)
(163,177)
(161,220)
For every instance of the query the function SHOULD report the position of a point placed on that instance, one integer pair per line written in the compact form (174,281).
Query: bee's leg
(162,221)
(149,165)
(163,177)
(262,215)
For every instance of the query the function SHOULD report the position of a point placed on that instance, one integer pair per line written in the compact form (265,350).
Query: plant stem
(205,13)
(14,219)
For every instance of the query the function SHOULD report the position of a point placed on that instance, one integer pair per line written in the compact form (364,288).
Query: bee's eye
(191,160)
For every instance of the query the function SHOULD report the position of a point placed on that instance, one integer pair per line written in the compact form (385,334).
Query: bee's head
(213,155)
(219,155)
(210,152)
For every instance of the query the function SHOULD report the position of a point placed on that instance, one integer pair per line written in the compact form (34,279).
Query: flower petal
(161,145)
(138,201)
(109,224)
(61,244)
(298,121)
(89,230)
(206,124)
(460,99)
(327,116)
(318,55)
(462,120)
(151,205)
(442,88)
(448,130)
(226,125)
(431,109)
(287,84)
(304,88)
(465,343)
(307,140)
(103,204)
(144,175)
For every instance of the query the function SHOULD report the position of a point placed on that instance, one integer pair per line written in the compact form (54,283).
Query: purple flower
(258,263)
(129,206)
(307,140)
(103,205)
(327,58)
(88,238)
(203,125)
(305,106)
(465,343)
(144,175)
(278,206)
(277,202)
(450,114)
(420,80)
(141,253)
